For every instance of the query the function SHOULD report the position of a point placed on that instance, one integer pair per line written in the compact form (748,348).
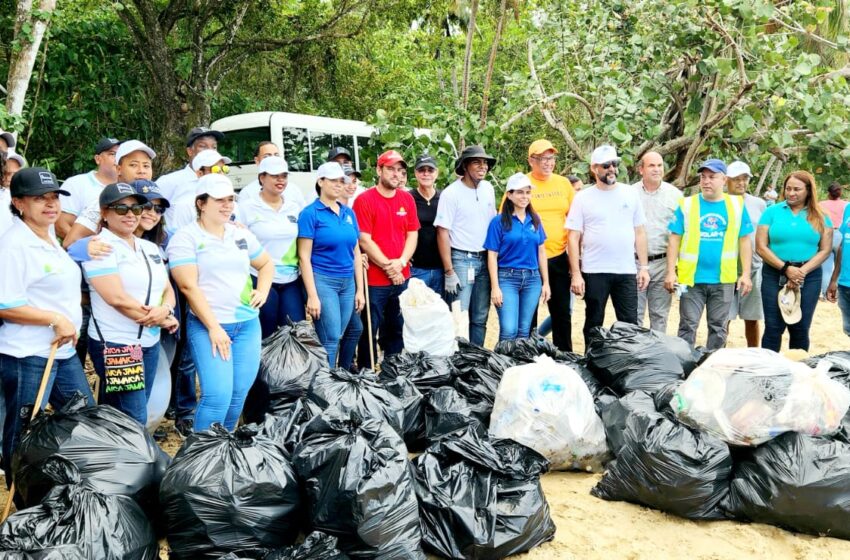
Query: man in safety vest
(708,233)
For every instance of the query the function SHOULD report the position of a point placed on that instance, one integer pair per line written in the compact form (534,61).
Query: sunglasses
(158,209)
(136,209)
(609,164)
(223,169)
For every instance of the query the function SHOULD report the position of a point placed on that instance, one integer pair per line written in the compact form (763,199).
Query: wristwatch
(785,266)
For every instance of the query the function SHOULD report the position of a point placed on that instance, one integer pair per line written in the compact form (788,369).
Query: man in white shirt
(606,229)
(463,216)
(85,188)
(748,307)
(659,200)
(179,185)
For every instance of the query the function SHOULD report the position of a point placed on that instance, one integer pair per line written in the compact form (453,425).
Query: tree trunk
(467,55)
(488,78)
(30,26)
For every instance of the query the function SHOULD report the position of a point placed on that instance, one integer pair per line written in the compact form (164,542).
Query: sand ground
(589,528)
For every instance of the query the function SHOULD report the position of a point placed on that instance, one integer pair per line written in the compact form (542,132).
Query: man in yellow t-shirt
(551,196)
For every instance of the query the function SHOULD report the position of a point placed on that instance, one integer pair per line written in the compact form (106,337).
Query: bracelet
(785,266)
(52,324)
(644,267)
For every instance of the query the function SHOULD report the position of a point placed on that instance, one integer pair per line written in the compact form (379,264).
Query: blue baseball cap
(713,164)
(150,191)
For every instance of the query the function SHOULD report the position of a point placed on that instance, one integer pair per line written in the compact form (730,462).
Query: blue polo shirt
(790,237)
(334,238)
(844,229)
(518,247)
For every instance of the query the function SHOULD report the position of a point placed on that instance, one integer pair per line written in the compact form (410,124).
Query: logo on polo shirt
(401,212)
(293,219)
(242,244)
(348,220)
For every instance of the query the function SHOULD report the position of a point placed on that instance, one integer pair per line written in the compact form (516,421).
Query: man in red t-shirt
(389,229)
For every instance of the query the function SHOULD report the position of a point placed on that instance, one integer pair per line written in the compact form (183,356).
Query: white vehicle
(304,140)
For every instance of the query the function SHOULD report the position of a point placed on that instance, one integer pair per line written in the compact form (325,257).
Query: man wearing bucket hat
(607,228)
(708,233)
(463,216)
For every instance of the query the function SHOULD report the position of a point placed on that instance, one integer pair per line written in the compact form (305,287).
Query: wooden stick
(369,320)
(35,410)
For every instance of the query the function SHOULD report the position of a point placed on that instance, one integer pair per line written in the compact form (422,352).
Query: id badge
(470,275)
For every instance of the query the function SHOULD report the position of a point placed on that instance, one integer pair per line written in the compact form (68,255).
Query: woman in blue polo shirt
(39,305)
(328,249)
(210,260)
(272,216)
(839,285)
(794,238)
(516,260)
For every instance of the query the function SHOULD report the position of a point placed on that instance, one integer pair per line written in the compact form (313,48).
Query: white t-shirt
(223,268)
(42,275)
(85,191)
(658,207)
(607,221)
(177,188)
(276,230)
(466,213)
(5,212)
(90,216)
(129,264)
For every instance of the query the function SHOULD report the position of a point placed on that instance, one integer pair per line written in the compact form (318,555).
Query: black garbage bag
(357,392)
(427,372)
(795,481)
(61,552)
(839,369)
(628,358)
(228,492)
(478,372)
(481,499)
(289,360)
(661,463)
(358,483)
(524,350)
(285,427)
(447,411)
(103,526)
(414,411)
(317,546)
(113,453)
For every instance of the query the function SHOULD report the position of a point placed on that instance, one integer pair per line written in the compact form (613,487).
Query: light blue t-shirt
(790,237)
(844,276)
(713,221)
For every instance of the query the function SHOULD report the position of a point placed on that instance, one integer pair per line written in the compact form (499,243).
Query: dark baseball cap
(200,131)
(35,181)
(348,169)
(105,143)
(114,192)
(150,191)
(425,160)
(339,151)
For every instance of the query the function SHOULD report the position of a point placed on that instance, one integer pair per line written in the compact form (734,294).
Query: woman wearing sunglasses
(211,260)
(132,300)
(273,217)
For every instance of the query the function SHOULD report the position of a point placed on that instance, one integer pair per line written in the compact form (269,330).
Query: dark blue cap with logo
(114,192)
(150,191)
(35,181)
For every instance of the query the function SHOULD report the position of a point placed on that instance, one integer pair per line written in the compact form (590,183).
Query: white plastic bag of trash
(428,323)
(747,396)
(546,406)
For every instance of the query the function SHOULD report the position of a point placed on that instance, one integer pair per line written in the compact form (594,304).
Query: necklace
(426,198)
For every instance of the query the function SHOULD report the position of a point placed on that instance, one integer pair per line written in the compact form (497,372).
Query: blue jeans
(224,384)
(285,300)
(474,296)
(21,378)
(844,306)
(337,297)
(434,278)
(385,314)
(132,403)
(520,292)
(774,324)
(350,341)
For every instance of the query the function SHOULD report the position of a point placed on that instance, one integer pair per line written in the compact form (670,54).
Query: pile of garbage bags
(317,546)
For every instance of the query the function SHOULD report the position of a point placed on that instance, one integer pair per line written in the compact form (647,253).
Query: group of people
(187,267)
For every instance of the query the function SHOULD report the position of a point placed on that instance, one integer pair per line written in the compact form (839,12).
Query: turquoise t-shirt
(844,277)
(713,221)
(790,237)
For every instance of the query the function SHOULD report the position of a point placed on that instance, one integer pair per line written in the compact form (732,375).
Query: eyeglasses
(223,169)
(609,164)
(544,159)
(136,209)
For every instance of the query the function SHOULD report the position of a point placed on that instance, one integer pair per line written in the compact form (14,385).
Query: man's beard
(609,179)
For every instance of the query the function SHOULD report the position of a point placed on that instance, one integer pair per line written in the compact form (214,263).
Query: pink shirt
(835,209)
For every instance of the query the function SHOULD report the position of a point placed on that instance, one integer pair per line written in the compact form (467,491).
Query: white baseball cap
(603,154)
(130,146)
(8,137)
(331,170)
(518,181)
(738,168)
(11,154)
(215,184)
(208,158)
(273,165)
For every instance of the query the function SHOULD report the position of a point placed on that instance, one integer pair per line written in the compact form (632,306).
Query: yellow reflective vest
(686,266)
